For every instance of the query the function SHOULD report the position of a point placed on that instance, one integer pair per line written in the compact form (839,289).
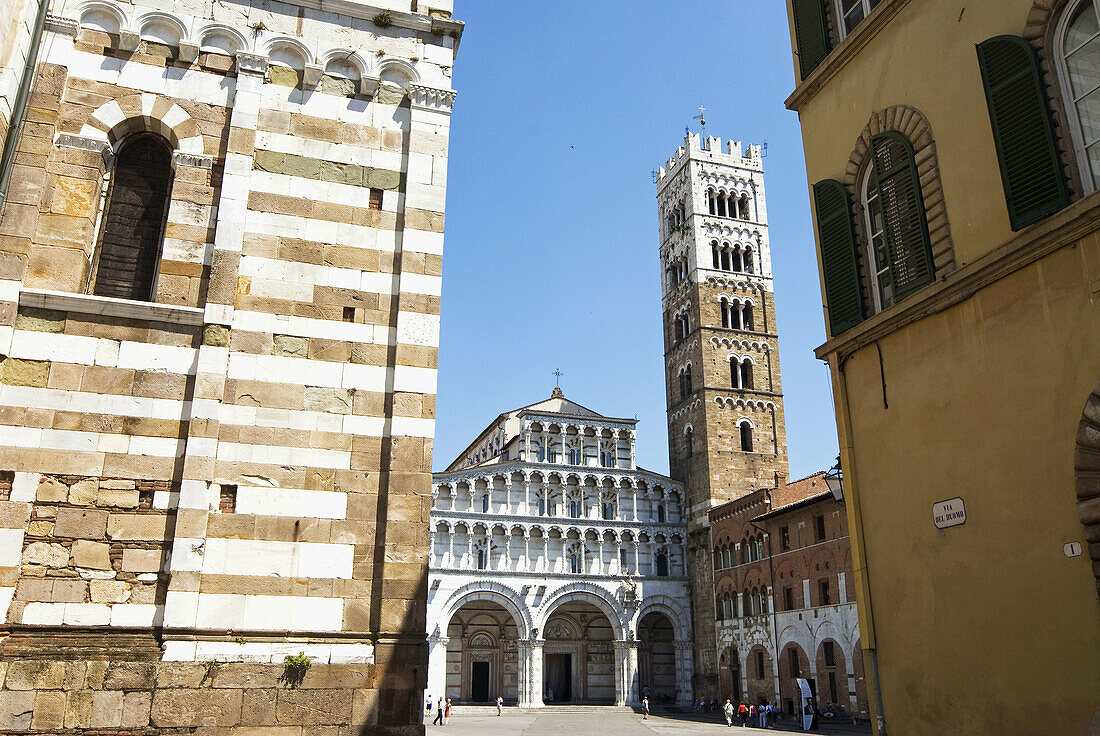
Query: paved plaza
(609,722)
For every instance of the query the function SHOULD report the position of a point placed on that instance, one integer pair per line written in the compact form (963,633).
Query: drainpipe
(19,108)
(855,533)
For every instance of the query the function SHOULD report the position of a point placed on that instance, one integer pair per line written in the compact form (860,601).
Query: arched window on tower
(746,436)
(746,374)
(660,513)
(724,307)
(712,204)
(714,254)
(721,205)
(687,381)
(485,503)
(737,266)
(575,562)
(481,559)
(725,259)
(134,219)
(746,317)
(608,511)
(746,264)
(743,207)
(688,442)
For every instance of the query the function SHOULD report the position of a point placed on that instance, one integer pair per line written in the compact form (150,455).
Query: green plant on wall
(295,667)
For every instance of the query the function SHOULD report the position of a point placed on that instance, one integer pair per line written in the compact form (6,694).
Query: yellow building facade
(952,154)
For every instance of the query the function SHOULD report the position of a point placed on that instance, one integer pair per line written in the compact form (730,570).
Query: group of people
(443,712)
(762,716)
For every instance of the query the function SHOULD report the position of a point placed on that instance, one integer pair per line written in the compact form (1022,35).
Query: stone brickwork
(195,487)
(719,310)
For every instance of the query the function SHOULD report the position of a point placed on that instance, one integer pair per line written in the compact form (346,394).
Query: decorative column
(528,511)
(632,438)
(684,558)
(437,668)
(564,553)
(534,671)
(626,671)
(684,670)
(634,493)
(470,547)
(545,566)
(599,559)
(507,481)
(431,546)
(451,547)
(637,568)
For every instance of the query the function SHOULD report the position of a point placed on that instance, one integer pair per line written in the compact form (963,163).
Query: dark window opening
(826,595)
(788,599)
(227,499)
(746,437)
(375,199)
(819,528)
(760,665)
(785,537)
(830,654)
(792,655)
(133,224)
(662,565)
(349,314)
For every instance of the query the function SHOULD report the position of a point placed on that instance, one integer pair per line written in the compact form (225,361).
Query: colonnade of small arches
(738,312)
(742,604)
(561,495)
(730,554)
(556,549)
(723,202)
(575,443)
(130,27)
(742,345)
(732,257)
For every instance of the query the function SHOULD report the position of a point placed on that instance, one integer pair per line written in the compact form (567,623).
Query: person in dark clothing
(439,713)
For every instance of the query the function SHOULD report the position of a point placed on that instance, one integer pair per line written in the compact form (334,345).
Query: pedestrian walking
(439,713)
(742,713)
(752,714)
(447,712)
(763,713)
(645,708)
(500,704)
(727,709)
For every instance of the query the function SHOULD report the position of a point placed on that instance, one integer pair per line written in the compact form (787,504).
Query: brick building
(220,278)
(783,586)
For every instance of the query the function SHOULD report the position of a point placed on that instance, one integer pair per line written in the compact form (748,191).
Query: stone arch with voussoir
(502,595)
(584,593)
(677,616)
(112,121)
(1086,465)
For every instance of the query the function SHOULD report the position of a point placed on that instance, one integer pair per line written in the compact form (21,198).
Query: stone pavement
(612,722)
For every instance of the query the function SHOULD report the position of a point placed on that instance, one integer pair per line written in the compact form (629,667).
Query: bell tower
(725,399)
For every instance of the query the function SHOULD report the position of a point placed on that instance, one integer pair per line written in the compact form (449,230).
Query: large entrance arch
(482,654)
(579,655)
(1086,466)
(657,657)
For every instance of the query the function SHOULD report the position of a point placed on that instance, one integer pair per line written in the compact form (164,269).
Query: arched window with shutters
(1023,130)
(908,250)
(134,219)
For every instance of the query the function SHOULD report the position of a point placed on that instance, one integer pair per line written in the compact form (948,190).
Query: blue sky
(564,109)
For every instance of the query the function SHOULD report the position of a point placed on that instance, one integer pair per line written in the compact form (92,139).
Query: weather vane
(557,377)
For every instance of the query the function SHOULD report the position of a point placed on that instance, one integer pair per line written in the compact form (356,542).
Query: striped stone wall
(196,487)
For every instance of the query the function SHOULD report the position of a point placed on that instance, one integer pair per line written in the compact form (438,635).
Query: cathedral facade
(220,278)
(725,399)
(558,567)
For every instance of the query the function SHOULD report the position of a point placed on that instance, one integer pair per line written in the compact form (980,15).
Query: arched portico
(490,644)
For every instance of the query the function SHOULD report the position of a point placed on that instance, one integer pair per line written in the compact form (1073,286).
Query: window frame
(105,210)
(841,26)
(874,269)
(1080,150)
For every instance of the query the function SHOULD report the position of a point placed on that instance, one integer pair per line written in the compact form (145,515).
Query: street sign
(951,512)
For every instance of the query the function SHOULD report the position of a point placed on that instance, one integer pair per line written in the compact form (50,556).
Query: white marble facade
(557,566)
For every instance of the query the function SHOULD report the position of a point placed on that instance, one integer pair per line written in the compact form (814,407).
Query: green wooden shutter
(811,35)
(838,256)
(1023,131)
(908,247)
